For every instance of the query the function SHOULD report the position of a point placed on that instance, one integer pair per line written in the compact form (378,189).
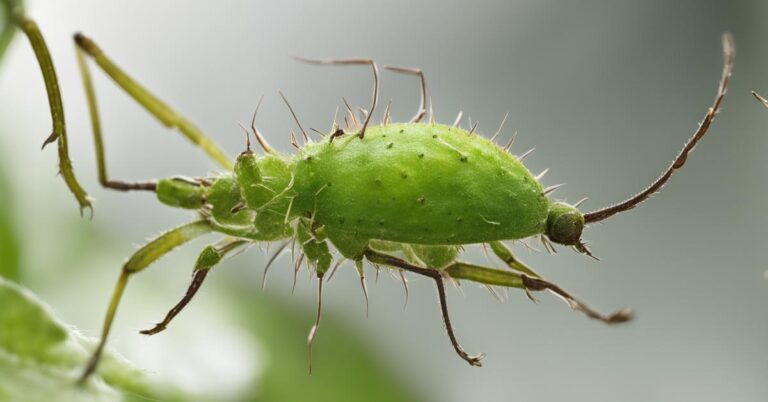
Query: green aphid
(405,196)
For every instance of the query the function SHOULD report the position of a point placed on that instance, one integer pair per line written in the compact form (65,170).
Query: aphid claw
(552,188)
(457,121)
(238,207)
(525,155)
(51,138)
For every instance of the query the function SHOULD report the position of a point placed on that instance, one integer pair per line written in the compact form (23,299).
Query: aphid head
(564,224)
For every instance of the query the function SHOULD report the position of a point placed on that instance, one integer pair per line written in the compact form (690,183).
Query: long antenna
(729,52)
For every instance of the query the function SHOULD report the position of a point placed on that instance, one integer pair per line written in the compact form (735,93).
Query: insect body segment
(407,196)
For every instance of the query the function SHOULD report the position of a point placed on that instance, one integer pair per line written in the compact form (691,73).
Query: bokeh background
(606,91)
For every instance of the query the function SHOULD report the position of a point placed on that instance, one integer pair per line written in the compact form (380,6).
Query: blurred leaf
(344,367)
(41,358)
(9,243)
(7,9)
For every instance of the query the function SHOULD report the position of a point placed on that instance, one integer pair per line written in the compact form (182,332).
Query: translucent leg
(169,117)
(140,260)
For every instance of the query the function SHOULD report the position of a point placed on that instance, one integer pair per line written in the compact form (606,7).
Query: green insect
(403,196)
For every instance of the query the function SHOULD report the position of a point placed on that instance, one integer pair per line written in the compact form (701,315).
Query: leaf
(41,358)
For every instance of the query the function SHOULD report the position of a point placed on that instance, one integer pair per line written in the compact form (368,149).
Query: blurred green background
(606,91)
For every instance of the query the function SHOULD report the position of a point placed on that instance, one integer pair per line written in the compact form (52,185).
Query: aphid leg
(209,258)
(422,104)
(490,276)
(375,69)
(679,161)
(152,104)
(538,284)
(59,131)
(505,254)
(101,162)
(140,260)
(436,275)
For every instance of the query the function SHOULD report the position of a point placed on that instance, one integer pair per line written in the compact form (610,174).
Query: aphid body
(405,196)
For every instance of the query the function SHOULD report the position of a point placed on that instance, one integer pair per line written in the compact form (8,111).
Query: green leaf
(8,8)
(41,358)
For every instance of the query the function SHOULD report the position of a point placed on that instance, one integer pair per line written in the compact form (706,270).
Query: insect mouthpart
(564,224)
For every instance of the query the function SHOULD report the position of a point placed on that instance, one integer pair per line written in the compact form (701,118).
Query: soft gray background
(606,91)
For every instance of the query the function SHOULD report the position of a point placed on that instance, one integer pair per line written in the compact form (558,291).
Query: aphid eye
(564,224)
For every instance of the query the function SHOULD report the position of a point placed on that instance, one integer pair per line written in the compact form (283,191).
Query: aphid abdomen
(418,183)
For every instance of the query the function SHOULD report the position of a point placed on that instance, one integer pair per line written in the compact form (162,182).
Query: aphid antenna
(682,156)
(422,103)
(295,118)
(353,61)
(260,138)
(525,155)
(501,126)
(457,121)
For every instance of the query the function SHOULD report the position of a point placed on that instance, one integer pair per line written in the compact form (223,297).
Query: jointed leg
(152,104)
(505,254)
(209,258)
(57,109)
(101,163)
(140,260)
(385,259)
(460,270)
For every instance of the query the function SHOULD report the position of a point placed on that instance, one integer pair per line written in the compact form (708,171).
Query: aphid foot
(537,284)
(197,281)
